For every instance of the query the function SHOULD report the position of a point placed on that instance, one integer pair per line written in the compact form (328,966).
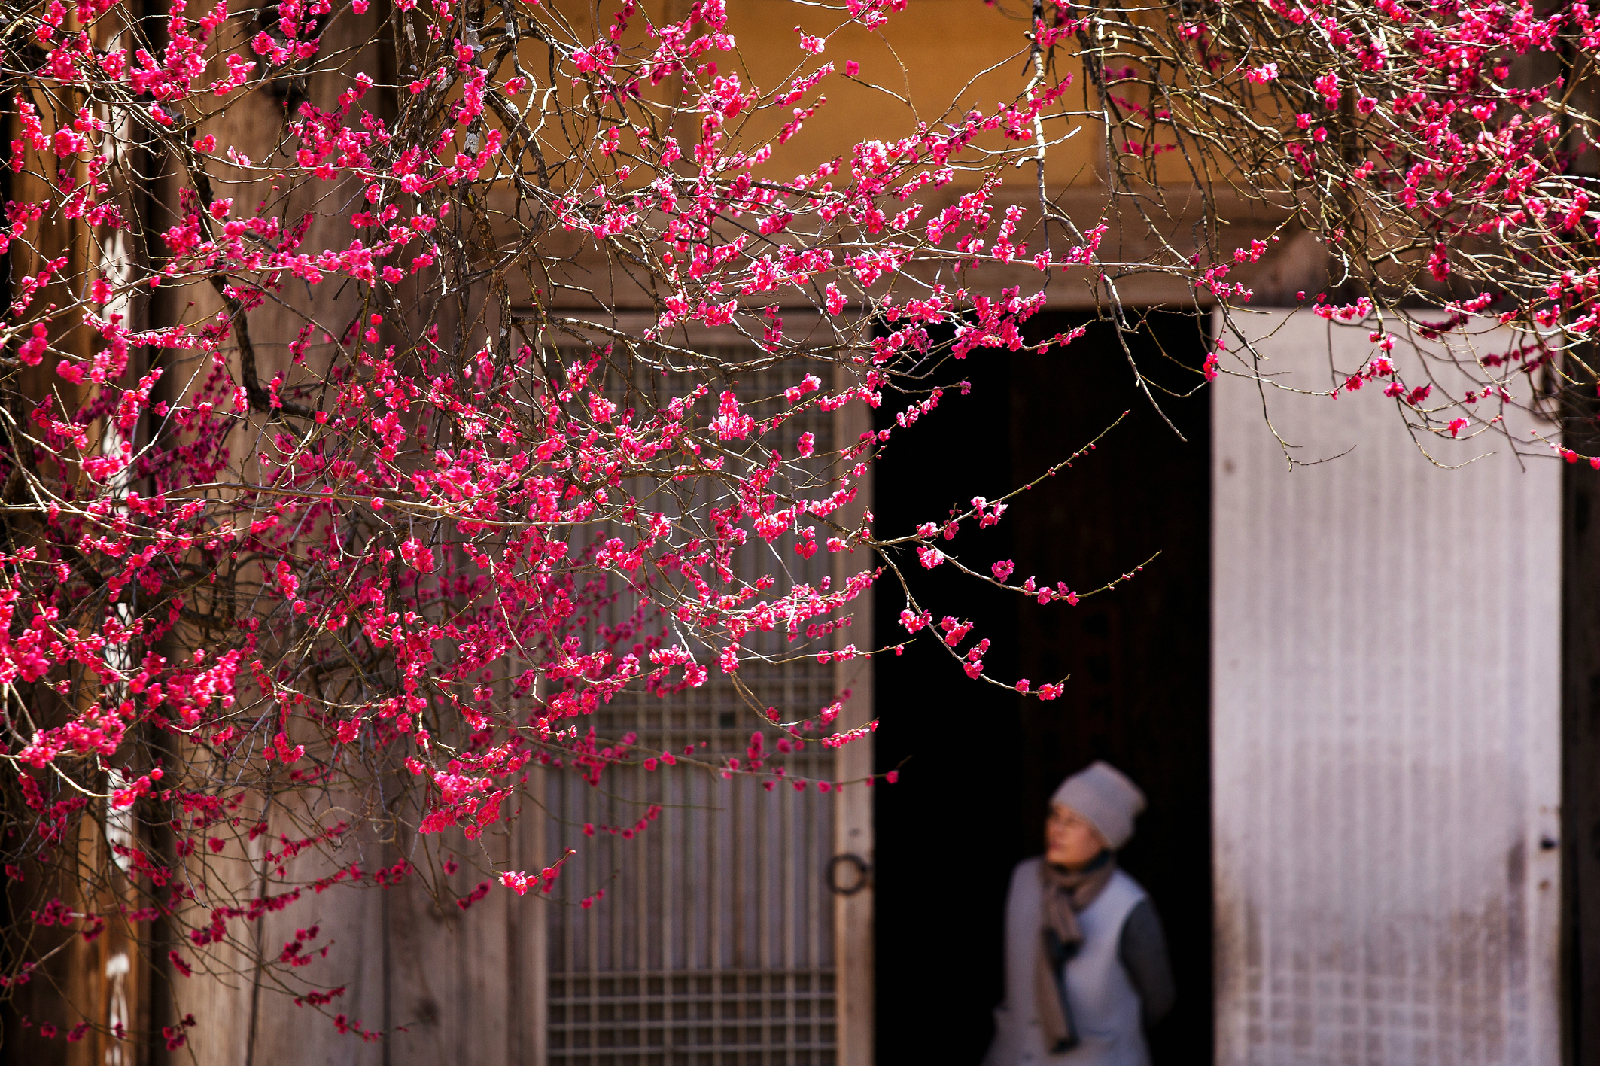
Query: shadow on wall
(977,763)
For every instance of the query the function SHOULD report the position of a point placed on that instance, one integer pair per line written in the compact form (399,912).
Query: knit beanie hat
(1105,797)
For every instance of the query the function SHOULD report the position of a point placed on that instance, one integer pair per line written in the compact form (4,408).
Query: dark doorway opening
(1580,742)
(977,763)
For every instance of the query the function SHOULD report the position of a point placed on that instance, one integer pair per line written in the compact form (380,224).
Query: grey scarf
(1064,893)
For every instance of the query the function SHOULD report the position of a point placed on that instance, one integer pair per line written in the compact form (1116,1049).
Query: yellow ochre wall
(934,61)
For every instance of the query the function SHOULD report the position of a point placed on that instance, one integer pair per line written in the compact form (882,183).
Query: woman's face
(1069,839)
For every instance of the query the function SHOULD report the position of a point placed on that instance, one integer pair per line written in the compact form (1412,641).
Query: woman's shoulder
(1026,887)
(1123,884)
(1128,881)
(1027,867)
(1025,876)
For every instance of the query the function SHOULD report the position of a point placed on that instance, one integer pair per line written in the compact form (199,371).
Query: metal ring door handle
(863,874)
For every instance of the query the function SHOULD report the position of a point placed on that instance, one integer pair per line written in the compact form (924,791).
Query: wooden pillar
(851,871)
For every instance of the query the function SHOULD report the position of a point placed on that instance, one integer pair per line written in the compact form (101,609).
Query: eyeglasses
(1065,818)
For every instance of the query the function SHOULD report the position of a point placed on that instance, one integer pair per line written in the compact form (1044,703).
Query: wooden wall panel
(1386,716)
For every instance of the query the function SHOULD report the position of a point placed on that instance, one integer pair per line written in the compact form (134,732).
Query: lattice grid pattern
(693,1019)
(713,945)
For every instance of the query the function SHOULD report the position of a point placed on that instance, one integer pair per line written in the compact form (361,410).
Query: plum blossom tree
(347,466)
(1441,154)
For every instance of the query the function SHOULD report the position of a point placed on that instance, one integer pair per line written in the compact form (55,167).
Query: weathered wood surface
(715,935)
(1386,730)
(852,820)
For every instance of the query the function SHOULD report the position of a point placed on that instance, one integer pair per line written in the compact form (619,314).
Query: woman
(1086,962)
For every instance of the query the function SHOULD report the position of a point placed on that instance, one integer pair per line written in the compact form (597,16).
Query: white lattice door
(1386,752)
(719,938)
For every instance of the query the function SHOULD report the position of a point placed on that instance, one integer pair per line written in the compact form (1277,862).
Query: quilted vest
(1105,1005)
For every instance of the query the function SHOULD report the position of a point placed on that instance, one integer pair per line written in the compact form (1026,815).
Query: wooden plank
(852,824)
(529,985)
(238,1024)
(1386,714)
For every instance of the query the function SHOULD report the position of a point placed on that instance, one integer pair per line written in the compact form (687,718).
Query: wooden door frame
(852,822)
